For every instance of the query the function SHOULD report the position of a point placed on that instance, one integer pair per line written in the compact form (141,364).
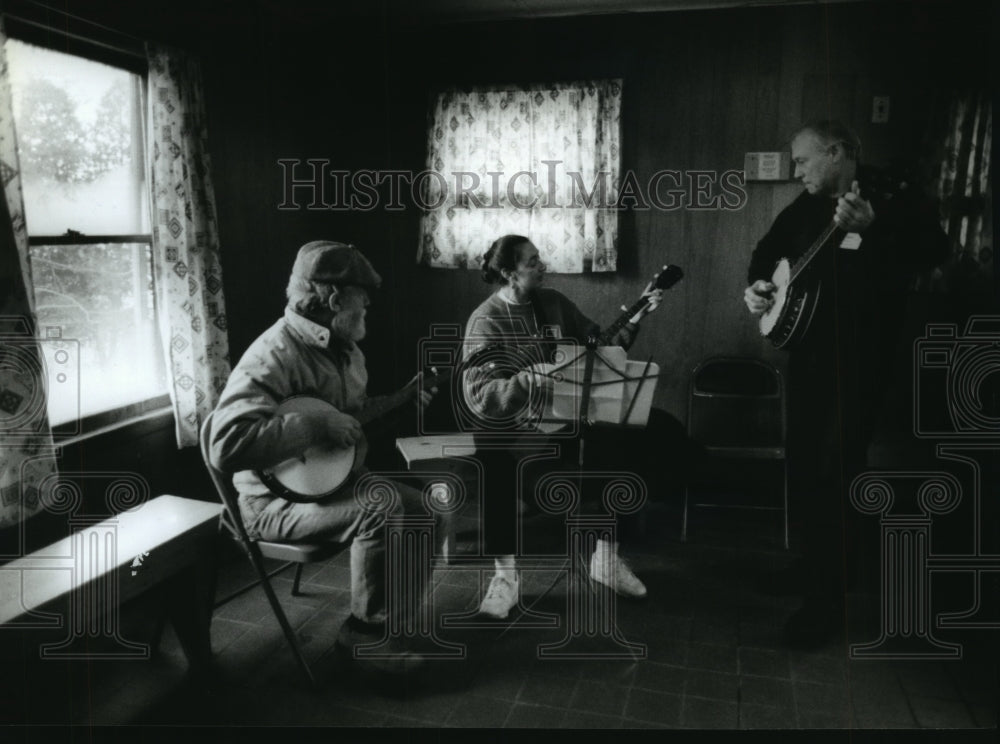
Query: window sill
(139,425)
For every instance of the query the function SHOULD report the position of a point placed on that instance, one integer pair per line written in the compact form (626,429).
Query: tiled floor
(708,654)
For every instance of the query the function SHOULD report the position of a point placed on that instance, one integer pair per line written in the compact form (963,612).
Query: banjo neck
(385,406)
(404,395)
(833,230)
(608,334)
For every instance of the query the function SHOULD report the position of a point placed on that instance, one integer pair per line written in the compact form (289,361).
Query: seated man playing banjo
(312,350)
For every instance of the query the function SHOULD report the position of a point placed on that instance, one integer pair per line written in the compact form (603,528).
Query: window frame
(131,58)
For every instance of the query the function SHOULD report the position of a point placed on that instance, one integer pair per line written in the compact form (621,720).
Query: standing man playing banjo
(312,350)
(845,251)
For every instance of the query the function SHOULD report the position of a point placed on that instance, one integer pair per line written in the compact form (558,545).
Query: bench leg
(190,597)
(446,525)
(298,578)
(161,625)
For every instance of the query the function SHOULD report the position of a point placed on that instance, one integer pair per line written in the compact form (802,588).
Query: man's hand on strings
(423,396)
(853,213)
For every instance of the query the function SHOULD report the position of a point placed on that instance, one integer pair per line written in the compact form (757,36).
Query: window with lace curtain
(79,139)
(537,160)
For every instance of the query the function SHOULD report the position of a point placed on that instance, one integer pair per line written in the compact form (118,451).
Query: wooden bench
(79,582)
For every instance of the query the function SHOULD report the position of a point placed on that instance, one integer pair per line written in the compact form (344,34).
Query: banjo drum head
(320,469)
(316,472)
(782,271)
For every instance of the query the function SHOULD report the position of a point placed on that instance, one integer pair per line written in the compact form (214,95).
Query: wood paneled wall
(701,89)
(306,80)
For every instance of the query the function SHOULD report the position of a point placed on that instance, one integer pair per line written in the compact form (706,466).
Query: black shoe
(785,582)
(357,632)
(355,624)
(814,624)
(391,657)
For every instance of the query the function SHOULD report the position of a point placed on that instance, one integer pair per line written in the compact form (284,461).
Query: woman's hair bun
(502,254)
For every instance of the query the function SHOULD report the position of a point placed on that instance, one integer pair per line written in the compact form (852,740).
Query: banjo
(795,296)
(797,290)
(322,470)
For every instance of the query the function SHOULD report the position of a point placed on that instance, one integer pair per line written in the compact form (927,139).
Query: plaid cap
(329,262)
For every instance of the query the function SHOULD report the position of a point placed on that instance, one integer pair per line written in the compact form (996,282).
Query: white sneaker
(500,597)
(609,569)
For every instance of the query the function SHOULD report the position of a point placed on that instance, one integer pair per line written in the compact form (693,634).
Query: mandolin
(321,471)
(669,276)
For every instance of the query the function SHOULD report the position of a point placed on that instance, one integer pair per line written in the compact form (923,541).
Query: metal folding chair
(298,554)
(736,410)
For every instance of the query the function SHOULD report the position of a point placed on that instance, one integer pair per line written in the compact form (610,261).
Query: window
(542,161)
(79,127)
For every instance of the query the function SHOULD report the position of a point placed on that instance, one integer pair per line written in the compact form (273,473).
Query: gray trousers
(344,517)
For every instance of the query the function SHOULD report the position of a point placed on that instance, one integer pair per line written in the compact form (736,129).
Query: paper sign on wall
(767,166)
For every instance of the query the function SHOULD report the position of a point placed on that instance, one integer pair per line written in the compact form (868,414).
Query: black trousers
(832,408)
(659,455)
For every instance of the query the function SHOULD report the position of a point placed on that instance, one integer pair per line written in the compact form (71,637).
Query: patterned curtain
(964,190)
(185,240)
(26,449)
(491,135)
